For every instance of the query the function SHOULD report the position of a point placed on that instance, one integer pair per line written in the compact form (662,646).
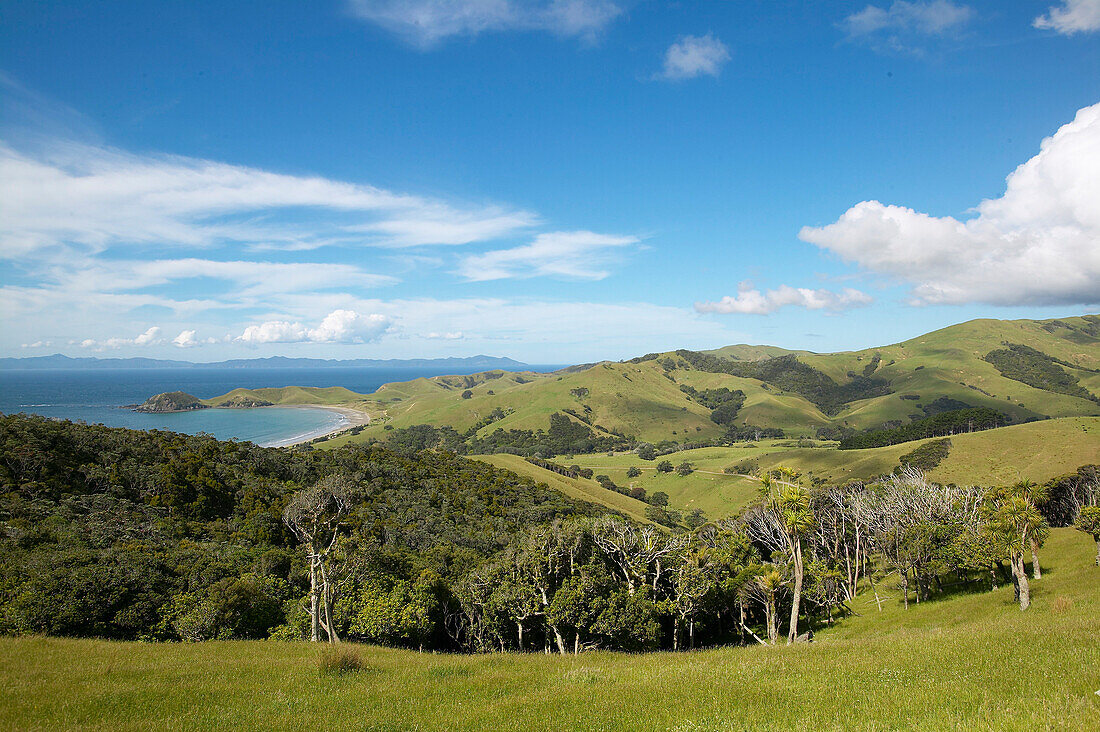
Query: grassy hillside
(578,488)
(642,398)
(329,396)
(971,661)
(1036,451)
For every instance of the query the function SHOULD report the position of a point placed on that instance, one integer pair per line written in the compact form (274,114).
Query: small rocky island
(181,401)
(171,401)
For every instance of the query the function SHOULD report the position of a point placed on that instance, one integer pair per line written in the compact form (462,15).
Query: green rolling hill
(796,391)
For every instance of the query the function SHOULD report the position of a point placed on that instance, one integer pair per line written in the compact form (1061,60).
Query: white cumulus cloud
(693,56)
(752,301)
(1073,16)
(339,326)
(150,337)
(566,254)
(186,339)
(426,22)
(1038,244)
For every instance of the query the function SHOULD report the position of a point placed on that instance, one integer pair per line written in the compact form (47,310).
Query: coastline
(349,418)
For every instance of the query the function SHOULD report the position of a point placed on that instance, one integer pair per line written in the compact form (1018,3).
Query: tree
(684,469)
(639,554)
(633,471)
(467,394)
(781,522)
(665,466)
(315,515)
(695,519)
(1036,495)
(1089,522)
(646,451)
(764,588)
(1014,523)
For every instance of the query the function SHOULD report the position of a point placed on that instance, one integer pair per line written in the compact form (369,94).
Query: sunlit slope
(292,395)
(578,488)
(643,398)
(950,363)
(966,661)
(1035,451)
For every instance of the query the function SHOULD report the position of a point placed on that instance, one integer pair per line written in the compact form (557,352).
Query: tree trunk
(796,598)
(1021,578)
(1098,552)
(519,626)
(558,639)
(314,603)
(772,621)
(1036,571)
(326,603)
(905,588)
(676,634)
(874,588)
(691,634)
(992,578)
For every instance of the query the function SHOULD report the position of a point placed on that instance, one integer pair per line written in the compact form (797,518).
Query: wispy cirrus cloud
(693,56)
(582,255)
(751,301)
(906,26)
(66,193)
(1071,17)
(1038,244)
(249,279)
(425,23)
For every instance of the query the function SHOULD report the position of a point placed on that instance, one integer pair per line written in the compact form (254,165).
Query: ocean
(100,397)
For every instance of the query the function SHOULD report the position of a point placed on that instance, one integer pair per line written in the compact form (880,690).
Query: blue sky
(553,180)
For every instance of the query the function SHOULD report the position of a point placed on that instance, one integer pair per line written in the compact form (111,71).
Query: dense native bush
(790,374)
(926,457)
(724,403)
(1037,369)
(940,425)
(123,534)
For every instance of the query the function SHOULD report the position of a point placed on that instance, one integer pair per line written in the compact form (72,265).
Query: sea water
(102,397)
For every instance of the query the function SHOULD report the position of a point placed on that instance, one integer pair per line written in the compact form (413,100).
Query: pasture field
(969,661)
(1035,451)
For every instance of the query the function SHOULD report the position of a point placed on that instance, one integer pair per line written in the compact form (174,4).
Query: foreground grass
(973,661)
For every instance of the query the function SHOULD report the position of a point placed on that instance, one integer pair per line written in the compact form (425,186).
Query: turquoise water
(267,426)
(100,397)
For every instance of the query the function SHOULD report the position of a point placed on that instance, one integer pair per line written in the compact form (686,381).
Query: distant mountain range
(58,361)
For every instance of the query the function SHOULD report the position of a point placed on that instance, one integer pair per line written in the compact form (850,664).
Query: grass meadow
(970,661)
(1036,451)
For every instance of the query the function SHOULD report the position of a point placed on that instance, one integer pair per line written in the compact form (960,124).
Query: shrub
(339,660)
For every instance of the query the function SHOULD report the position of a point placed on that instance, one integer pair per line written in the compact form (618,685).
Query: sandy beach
(349,418)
